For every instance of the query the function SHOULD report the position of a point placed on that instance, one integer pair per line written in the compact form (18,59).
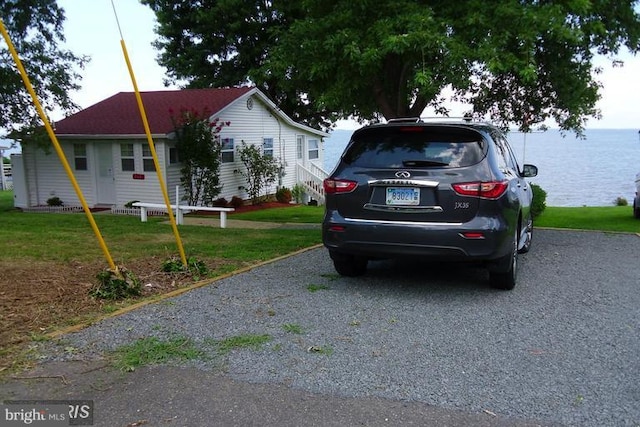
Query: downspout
(283,159)
(35,176)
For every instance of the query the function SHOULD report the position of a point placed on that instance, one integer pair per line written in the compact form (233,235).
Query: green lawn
(294,214)
(608,218)
(65,237)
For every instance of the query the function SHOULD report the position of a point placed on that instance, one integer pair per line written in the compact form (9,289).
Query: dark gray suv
(439,190)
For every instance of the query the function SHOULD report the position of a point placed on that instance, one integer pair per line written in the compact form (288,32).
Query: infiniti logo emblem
(402,174)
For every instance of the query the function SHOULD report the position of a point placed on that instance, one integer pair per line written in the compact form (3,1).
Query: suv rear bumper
(441,241)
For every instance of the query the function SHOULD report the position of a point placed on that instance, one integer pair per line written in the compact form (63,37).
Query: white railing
(311,178)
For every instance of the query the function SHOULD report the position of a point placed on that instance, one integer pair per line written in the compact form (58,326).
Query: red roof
(119,114)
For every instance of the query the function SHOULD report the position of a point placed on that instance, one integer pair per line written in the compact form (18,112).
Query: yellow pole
(145,123)
(56,145)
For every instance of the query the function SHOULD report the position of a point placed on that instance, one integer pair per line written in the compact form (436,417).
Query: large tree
(516,61)
(35,28)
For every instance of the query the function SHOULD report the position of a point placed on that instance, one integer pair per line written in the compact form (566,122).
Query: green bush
(129,205)
(260,170)
(297,192)
(621,201)
(194,266)
(114,286)
(539,203)
(54,201)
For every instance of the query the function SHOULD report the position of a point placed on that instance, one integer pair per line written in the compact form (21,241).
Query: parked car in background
(435,190)
(636,200)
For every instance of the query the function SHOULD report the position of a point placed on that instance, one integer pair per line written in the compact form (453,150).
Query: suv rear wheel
(506,278)
(349,265)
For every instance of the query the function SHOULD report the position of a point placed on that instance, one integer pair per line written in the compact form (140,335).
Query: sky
(91,29)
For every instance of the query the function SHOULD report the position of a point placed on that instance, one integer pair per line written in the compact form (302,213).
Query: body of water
(594,171)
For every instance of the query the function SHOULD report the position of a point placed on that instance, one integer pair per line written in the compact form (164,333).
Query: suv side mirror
(529,171)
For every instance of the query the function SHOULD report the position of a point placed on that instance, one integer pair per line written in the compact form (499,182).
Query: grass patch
(296,214)
(149,351)
(56,238)
(608,218)
(6,200)
(292,328)
(316,288)
(327,351)
(254,342)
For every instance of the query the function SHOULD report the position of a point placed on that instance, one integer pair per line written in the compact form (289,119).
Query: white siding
(251,126)
(47,178)
(173,175)
(145,190)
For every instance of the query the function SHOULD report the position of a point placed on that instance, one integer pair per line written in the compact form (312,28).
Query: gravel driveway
(562,348)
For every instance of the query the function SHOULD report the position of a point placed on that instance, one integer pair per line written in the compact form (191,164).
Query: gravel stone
(562,347)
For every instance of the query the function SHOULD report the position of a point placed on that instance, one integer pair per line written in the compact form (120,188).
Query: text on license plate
(403,196)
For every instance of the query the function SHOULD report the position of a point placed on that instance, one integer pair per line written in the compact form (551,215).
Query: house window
(126,158)
(299,147)
(80,156)
(147,159)
(227,148)
(267,146)
(174,156)
(314,149)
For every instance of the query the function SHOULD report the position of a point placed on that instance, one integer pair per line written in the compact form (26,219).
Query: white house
(107,148)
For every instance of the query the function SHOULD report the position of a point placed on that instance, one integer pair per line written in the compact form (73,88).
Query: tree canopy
(35,28)
(520,62)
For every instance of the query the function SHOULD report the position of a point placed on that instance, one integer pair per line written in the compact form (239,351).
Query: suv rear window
(415,147)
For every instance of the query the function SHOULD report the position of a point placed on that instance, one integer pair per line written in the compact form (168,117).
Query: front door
(106,187)
(301,149)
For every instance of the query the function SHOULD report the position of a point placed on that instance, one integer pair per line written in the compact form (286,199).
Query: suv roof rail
(454,119)
(467,119)
(405,120)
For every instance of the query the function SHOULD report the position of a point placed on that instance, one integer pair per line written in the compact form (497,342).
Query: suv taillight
(485,190)
(332,186)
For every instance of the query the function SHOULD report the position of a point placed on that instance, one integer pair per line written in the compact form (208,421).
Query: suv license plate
(403,196)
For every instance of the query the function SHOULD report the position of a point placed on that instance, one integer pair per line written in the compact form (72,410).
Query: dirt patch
(37,298)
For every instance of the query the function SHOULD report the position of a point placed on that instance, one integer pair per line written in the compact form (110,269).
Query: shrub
(621,201)
(129,205)
(200,151)
(260,170)
(112,286)
(54,201)
(297,192)
(237,202)
(539,203)
(220,203)
(194,266)
(283,195)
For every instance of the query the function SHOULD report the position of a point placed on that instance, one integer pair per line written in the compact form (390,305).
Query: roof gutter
(112,137)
